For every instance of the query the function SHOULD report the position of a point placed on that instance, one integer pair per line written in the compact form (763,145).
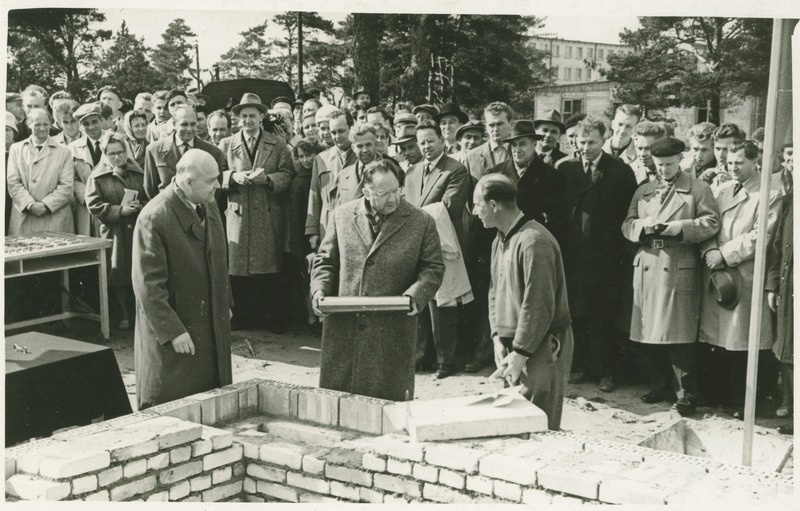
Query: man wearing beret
(724,331)
(668,218)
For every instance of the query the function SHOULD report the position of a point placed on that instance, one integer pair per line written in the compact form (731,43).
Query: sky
(218,30)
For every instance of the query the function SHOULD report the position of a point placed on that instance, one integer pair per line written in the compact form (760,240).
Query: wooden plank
(454,418)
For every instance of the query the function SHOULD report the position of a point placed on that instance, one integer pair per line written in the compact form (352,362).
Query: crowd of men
(653,237)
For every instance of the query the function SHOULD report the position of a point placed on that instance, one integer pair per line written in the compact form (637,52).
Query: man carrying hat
(550,127)
(668,218)
(259,175)
(725,324)
(450,119)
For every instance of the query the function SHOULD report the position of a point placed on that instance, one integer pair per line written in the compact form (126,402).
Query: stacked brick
(266,441)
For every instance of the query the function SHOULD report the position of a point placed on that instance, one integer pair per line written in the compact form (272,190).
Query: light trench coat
(666,281)
(45,176)
(82,161)
(736,241)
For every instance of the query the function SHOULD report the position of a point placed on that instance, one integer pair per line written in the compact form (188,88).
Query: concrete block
(100,496)
(248,399)
(200,483)
(251,442)
(133,488)
(425,473)
(315,498)
(480,484)
(218,459)
(444,495)
(110,476)
(283,454)
(11,467)
(395,484)
(402,468)
(180,472)
(396,446)
(220,438)
(162,496)
(451,479)
(171,432)
(454,457)
(63,460)
(345,491)
(510,468)
(370,496)
(362,413)
(570,480)
(184,409)
(305,482)
(279,491)
(373,463)
(625,491)
(319,405)
(277,398)
(157,462)
(84,484)
(115,423)
(348,475)
(535,497)
(313,464)
(224,491)
(304,433)
(27,487)
(249,485)
(134,469)
(133,450)
(179,491)
(221,475)
(394,418)
(508,491)
(266,473)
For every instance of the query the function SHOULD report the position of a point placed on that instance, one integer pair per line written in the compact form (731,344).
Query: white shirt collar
(434,162)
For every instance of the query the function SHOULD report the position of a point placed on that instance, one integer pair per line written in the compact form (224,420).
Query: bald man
(162,155)
(182,337)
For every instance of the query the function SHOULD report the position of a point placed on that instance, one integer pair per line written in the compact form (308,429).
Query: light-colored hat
(405,118)
(11,122)
(86,110)
(250,100)
(324,113)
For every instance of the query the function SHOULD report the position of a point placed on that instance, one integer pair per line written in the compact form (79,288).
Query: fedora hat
(724,286)
(550,117)
(471,125)
(452,109)
(523,128)
(404,134)
(250,100)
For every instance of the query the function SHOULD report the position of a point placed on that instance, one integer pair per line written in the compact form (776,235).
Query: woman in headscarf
(135,125)
(109,197)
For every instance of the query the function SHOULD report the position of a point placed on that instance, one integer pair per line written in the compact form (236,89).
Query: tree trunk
(366,56)
(714,109)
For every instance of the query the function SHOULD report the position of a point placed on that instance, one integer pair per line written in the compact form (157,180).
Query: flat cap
(471,125)
(405,118)
(666,147)
(12,96)
(174,93)
(86,110)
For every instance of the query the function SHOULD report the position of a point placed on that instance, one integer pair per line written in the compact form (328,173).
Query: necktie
(250,143)
(184,148)
(200,209)
(590,169)
(94,150)
(736,188)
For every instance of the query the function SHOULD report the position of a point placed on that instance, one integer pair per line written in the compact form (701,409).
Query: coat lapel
(436,174)
(263,150)
(727,200)
(188,220)
(362,224)
(390,227)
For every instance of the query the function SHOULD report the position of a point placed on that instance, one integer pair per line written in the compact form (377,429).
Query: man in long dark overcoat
(379,245)
(180,279)
(599,188)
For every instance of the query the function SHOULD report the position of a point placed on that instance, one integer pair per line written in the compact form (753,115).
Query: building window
(558,51)
(702,114)
(589,74)
(600,54)
(590,53)
(569,52)
(579,74)
(572,107)
(580,53)
(567,73)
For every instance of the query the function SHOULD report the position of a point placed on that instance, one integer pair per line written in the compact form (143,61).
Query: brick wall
(266,441)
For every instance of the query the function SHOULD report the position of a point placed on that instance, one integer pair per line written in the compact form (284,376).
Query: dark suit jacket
(541,193)
(161,158)
(595,256)
(555,156)
(449,182)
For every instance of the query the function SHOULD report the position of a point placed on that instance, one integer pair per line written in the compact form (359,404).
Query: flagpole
(757,304)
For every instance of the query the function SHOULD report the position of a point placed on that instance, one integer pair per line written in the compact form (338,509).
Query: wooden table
(44,252)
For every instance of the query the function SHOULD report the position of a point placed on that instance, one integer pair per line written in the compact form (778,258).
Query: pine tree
(125,66)
(174,56)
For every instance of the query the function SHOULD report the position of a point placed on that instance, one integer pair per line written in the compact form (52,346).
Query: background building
(576,61)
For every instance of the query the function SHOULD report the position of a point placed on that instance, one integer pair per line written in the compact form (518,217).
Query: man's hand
(510,368)
(714,259)
(772,300)
(318,295)
(241,178)
(183,344)
(648,225)
(130,209)
(500,351)
(723,176)
(313,240)
(670,228)
(38,209)
(258,177)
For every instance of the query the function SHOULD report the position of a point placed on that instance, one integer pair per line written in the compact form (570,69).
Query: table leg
(65,296)
(103,282)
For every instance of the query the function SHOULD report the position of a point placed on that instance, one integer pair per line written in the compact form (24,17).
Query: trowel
(503,397)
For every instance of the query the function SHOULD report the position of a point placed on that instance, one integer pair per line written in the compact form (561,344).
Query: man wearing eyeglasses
(378,245)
